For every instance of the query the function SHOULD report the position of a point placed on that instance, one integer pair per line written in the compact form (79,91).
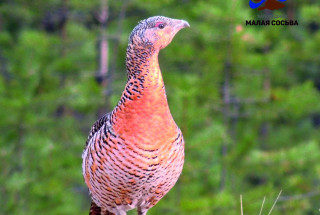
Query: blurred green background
(247,99)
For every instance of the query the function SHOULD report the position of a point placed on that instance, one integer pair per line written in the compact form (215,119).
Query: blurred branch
(105,74)
(225,112)
(102,17)
(264,127)
(248,100)
(0,22)
(63,34)
(300,196)
(117,38)
(63,28)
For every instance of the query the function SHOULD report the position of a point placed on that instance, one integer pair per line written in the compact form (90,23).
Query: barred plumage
(134,154)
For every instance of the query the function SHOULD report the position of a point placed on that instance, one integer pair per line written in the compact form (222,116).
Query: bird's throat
(143,107)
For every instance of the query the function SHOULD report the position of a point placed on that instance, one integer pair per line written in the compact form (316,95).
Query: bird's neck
(143,106)
(144,75)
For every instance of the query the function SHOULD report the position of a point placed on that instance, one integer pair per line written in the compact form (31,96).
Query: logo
(267,20)
(269,4)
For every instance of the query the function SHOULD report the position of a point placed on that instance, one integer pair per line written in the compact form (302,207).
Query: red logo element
(269,4)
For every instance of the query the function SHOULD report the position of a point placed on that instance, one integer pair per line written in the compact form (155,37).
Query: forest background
(247,99)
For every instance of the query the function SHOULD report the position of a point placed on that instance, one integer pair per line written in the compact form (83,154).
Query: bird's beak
(179,24)
(185,24)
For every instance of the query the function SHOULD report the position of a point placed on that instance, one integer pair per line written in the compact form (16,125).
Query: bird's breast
(145,121)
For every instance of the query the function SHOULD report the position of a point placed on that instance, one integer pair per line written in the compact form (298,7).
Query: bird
(135,154)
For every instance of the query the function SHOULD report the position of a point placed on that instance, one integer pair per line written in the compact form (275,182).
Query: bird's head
(156,32)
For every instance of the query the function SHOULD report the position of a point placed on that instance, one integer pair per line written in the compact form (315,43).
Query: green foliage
(253,90)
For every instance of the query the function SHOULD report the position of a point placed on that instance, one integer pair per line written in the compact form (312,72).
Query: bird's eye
(159,25)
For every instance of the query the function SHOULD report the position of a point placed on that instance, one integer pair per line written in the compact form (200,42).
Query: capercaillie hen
(134,155)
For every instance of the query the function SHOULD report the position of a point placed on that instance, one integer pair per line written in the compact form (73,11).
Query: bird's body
(134,155)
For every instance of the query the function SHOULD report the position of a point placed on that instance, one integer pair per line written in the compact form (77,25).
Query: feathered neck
(143,105)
